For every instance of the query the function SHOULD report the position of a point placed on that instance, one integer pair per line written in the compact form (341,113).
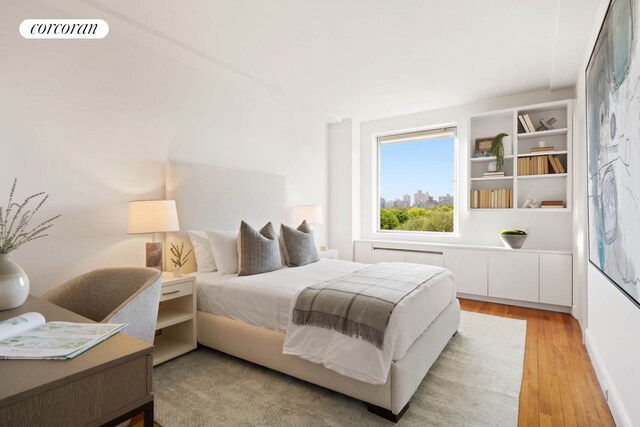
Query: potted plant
(497,149)
(513,238)
(15,232)
(179,258)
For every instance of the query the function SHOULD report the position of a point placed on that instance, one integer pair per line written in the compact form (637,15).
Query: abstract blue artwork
(613,138)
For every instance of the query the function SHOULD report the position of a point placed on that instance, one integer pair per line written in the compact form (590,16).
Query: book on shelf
(492,199)
(530,125)
(523,123)
(493,174)
(554,165)
(542,149)
(552,204)
(539,165)
(29,336)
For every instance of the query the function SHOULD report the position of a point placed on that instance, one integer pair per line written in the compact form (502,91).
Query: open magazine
(29,336)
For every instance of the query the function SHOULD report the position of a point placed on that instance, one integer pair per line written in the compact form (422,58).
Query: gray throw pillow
(299,245)
(259,250)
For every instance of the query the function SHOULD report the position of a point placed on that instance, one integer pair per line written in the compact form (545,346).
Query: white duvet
(266,300)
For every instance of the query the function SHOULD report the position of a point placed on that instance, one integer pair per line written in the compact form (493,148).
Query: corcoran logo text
(64,29)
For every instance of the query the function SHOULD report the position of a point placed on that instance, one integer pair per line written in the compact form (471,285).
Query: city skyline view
(417,167)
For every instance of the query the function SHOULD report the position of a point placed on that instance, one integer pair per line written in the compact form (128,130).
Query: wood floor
(559,386)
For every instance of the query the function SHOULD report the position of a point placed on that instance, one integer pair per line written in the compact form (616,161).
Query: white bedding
(265,300)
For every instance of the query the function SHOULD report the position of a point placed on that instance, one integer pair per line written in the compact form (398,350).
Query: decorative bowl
(513,241)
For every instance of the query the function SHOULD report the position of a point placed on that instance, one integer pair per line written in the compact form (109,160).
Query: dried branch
(14,221)
(179,258)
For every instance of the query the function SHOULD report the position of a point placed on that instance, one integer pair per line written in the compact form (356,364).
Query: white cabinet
(543,277)
(469,268)
(513,276)
(399,255)
(328,254)
(429,258)
(176,324)
(555,279)
(362,252)
(387,255)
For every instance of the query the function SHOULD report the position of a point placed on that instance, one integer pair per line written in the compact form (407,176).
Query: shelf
(547,186)
(542,133)
(544,153)
(543,210)
(492,178)
(489,159)
(169,317)
(167,348)
(543,176)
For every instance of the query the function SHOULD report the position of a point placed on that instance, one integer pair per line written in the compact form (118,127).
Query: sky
(418,165)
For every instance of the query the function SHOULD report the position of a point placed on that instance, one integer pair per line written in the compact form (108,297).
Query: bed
(247,316)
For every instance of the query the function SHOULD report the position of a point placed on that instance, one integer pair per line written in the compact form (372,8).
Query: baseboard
(536,305)
(618,412)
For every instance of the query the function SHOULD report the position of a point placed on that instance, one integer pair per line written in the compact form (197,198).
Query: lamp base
(154,255)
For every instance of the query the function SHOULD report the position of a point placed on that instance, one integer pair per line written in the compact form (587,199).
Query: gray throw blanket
(360,304)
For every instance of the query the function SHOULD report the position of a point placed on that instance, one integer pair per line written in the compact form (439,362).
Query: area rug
(475,382)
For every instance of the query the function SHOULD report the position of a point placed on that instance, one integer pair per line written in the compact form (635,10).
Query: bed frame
(390,400)
(198,190)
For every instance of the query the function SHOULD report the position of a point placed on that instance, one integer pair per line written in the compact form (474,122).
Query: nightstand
(176,324)
(328,254)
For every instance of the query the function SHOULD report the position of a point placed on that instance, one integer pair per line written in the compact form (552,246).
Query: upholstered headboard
(211,197)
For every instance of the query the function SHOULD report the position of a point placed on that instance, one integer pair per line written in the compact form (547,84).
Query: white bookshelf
(549,186)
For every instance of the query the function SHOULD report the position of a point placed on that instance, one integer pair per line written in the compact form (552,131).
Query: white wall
(550,231)
(92,122)
(344,186)
(611,320)
(614,346)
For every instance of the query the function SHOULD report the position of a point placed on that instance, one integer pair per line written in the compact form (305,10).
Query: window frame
(376,202)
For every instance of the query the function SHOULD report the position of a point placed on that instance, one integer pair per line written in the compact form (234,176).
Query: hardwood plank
(559,385)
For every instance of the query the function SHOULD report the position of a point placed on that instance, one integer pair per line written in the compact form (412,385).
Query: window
(416,181)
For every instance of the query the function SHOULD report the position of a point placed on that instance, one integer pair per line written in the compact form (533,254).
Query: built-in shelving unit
(543,175)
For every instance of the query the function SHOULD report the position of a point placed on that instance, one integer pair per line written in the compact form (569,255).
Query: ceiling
(369,59)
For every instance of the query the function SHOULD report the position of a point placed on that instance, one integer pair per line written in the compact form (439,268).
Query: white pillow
(203,251)
(225,250)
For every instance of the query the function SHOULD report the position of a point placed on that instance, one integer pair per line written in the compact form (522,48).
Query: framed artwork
(483,147)
(613,139)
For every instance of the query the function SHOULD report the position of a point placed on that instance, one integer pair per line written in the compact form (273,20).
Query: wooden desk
(103,386)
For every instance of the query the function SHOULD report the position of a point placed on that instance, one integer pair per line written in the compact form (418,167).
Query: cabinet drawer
(428,258)
(388,255)
(513,275)
(555,279)
(176,290)
(470,270)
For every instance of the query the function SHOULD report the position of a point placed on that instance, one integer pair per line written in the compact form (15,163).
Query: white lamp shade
(152,216)
(311,213)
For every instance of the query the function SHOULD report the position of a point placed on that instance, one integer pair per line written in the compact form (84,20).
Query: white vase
(507,144)
(177,272)
(14,284)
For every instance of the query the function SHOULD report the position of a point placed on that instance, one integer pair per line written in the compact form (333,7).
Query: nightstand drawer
(176,290)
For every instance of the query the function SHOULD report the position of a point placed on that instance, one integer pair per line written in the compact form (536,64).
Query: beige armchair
(114,295)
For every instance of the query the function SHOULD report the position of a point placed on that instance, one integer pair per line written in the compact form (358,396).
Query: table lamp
(153,216)
(312,214)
